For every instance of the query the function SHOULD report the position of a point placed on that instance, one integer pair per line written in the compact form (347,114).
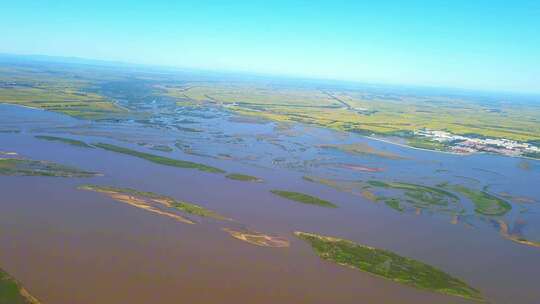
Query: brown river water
(69,246)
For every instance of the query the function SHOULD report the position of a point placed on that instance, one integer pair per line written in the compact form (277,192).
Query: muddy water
(69,246)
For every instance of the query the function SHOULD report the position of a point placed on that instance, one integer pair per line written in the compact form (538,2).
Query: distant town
(467,145)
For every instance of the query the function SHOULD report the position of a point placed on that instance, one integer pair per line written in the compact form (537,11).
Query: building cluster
(466,145)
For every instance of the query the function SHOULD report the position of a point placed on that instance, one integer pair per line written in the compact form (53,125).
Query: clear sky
(493,45)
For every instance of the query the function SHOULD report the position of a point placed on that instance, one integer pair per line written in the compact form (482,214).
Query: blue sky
(490,45)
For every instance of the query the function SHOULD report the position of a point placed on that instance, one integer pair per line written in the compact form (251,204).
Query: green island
(68,141)
(12,292)
(303,198)
(159,159)
(362,149)
(243,177)
(388,265)
(152,201)
(26,167)
(393,203)
(484,202)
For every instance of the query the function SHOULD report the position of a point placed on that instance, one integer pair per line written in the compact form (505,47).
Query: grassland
(243,177)
(484,202)
(368,112)
(423,143)
(12,292)
(388,265)
(57,90)
(89,93)
(25,167)
(303,198)
(159,159)
(152,201)
(68,141)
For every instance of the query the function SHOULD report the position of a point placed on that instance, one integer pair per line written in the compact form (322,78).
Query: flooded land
(144,188)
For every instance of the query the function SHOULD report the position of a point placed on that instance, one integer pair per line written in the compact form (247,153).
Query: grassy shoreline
(68,141)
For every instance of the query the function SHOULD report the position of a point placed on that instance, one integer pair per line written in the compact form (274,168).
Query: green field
(423,143)
(11,291)
(68,141)
(160,159)
(388,265)
(303,198)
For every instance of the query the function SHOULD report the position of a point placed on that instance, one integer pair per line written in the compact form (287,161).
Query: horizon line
(120,63)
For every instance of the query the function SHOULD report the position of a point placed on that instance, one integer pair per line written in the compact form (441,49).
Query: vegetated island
(362,149)
(27,167)
(12,292)
(160,159)
(68,141)
(303,198)
(418,196)
(388,265)
(484,202)
(243,177)
(156,203)
(257,238)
